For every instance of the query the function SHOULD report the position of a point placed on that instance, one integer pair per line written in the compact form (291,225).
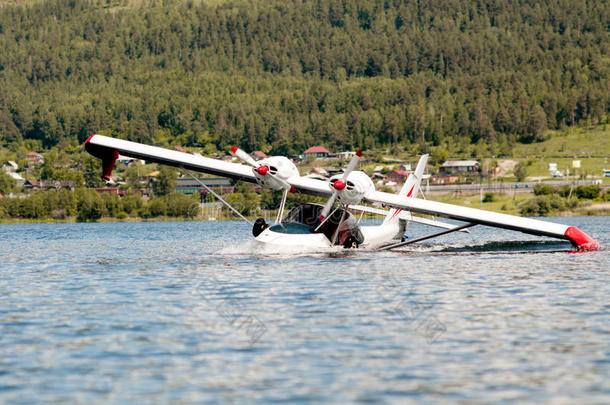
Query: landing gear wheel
(259,226)
(350,243)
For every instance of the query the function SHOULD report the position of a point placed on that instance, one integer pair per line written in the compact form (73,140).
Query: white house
(10,166)
(20,180)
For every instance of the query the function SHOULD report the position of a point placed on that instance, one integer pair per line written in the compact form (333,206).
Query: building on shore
(49,184)
(316,152)
(20,180)
(189,186)
(459,167)
(34,158)
(397,176)
(258,155)
(10,167)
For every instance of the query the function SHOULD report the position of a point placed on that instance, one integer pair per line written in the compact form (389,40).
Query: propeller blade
(328,206)
(352,165)
(243,156)
(339,185)
(284,183)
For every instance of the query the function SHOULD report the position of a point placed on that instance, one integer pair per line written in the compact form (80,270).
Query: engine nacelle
(273,172)
(357,185)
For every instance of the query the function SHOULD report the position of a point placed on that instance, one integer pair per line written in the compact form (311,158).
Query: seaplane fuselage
(303,227)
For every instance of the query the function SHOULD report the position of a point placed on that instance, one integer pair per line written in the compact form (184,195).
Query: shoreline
(591,211)
(104,219)
(504,203)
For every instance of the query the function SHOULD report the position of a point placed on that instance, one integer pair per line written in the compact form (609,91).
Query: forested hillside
(281,75)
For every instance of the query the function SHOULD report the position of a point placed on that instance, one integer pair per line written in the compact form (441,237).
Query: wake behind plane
(333,224)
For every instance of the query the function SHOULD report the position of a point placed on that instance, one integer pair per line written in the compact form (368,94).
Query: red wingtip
(581,240)
(106,154)
(359,153)
(234,149)
(108,162)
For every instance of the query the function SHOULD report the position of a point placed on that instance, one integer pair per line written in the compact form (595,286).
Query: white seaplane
(322,226)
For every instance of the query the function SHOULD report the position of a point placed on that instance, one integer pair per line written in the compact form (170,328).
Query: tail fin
(410,188)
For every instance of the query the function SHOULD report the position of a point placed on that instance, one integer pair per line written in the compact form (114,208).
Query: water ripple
(194,312)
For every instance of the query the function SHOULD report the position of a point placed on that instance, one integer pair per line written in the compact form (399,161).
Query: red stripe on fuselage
(399,211)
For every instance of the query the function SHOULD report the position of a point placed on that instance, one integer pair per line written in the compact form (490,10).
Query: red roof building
(317,152)
(258,155)
(397,176)
(34,157)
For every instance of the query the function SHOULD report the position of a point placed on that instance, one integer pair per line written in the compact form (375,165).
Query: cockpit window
(306,214)
(307,217)
(293,228)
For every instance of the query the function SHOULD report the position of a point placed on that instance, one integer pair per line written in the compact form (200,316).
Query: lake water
(195,312)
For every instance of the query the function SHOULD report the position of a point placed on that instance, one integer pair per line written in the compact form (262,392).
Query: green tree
(33,206)
(132,202)
(66,204)
(180,205)
(50,200)
(489,197)
(589,192)
(287,75)
(11,207)
(6,183)
(246,204)
(91,169)
(544,189)
(113,204)
(165,182)
(536,125)
(90,205)
(133,175)
(158,206)
(520,171)
(542,205)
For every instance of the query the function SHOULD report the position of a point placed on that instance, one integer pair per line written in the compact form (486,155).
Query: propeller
(245,157)
(261,169)
(339,185)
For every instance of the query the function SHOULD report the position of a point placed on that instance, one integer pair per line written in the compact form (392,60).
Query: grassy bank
(508,203)
(590,145)
(504,203)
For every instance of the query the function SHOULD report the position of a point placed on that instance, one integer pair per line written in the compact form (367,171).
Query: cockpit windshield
(306,214)
(305,218)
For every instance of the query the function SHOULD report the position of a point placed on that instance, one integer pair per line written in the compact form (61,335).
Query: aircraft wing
(108,149)
(476,216)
